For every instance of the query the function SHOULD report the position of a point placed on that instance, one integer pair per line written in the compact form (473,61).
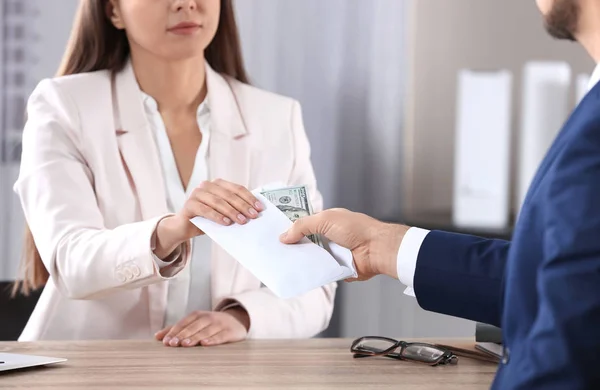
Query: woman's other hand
(207,328)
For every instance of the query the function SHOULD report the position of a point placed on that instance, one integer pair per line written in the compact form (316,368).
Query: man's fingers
(301,228)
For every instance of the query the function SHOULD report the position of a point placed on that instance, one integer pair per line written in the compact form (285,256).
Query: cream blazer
(92,190)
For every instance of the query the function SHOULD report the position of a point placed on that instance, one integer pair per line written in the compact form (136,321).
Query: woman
(152,123)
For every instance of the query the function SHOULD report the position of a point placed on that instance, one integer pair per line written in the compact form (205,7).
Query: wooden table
(299,364)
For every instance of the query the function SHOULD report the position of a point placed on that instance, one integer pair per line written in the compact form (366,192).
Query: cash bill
(294,203)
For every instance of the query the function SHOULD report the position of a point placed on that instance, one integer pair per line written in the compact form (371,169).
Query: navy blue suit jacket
(543,287)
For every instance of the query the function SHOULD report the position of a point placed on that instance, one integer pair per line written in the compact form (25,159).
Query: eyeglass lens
(422,353)
(375,345)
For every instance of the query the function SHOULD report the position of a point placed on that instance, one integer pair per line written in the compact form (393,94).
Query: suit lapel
(561,140)
(229,159)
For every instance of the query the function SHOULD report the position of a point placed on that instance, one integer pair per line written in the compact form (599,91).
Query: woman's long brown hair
(95,44)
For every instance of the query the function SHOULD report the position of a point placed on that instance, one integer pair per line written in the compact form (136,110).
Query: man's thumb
(299,229)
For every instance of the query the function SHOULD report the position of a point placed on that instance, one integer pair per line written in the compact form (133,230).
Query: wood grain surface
(260,364)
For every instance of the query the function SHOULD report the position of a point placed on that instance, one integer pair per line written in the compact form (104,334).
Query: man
(543,288)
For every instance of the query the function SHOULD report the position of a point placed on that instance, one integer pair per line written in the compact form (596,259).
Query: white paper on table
(287,270)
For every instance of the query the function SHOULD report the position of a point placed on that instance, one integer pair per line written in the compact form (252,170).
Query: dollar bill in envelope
(287,270)
(294,203)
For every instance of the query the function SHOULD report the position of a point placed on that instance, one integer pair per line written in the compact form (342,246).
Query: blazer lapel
(228,159)
(140,157)
(137,145)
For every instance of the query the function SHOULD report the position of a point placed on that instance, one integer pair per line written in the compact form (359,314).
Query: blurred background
(387,114)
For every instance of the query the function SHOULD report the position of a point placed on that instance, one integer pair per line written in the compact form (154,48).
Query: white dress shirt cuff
(408,254)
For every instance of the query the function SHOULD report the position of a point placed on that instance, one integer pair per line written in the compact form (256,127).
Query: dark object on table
(493,350)
(485,333)
(477,354)
(15,311)
(431,354)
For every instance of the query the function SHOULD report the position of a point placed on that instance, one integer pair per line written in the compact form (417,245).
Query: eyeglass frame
(447,356)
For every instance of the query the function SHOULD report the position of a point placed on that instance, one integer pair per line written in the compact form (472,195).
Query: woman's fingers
(169,338)
(162,333)
(203,334)
(223,202)
(195,208)
(241,192)
(206,328)
(198,326)
(233,197)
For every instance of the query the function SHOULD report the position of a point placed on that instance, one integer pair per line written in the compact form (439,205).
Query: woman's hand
(207,328)
(220,201)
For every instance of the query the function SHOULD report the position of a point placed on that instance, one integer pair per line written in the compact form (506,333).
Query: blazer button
(128,273)
(136,270)
(505,355)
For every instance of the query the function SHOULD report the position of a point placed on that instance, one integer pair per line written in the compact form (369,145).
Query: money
(294,203)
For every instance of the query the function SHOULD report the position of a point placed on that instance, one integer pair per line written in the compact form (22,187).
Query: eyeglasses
(430,354)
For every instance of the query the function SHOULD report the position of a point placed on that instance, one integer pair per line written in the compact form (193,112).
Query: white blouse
(190,289)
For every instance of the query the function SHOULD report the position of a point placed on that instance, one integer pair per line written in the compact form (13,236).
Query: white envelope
(287,270)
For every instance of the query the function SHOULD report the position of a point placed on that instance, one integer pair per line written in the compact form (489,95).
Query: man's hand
(207,328)
(374,244)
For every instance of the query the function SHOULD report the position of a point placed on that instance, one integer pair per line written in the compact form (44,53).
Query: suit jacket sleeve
(461,276)
(55,186)
(561,349)
(309,314)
